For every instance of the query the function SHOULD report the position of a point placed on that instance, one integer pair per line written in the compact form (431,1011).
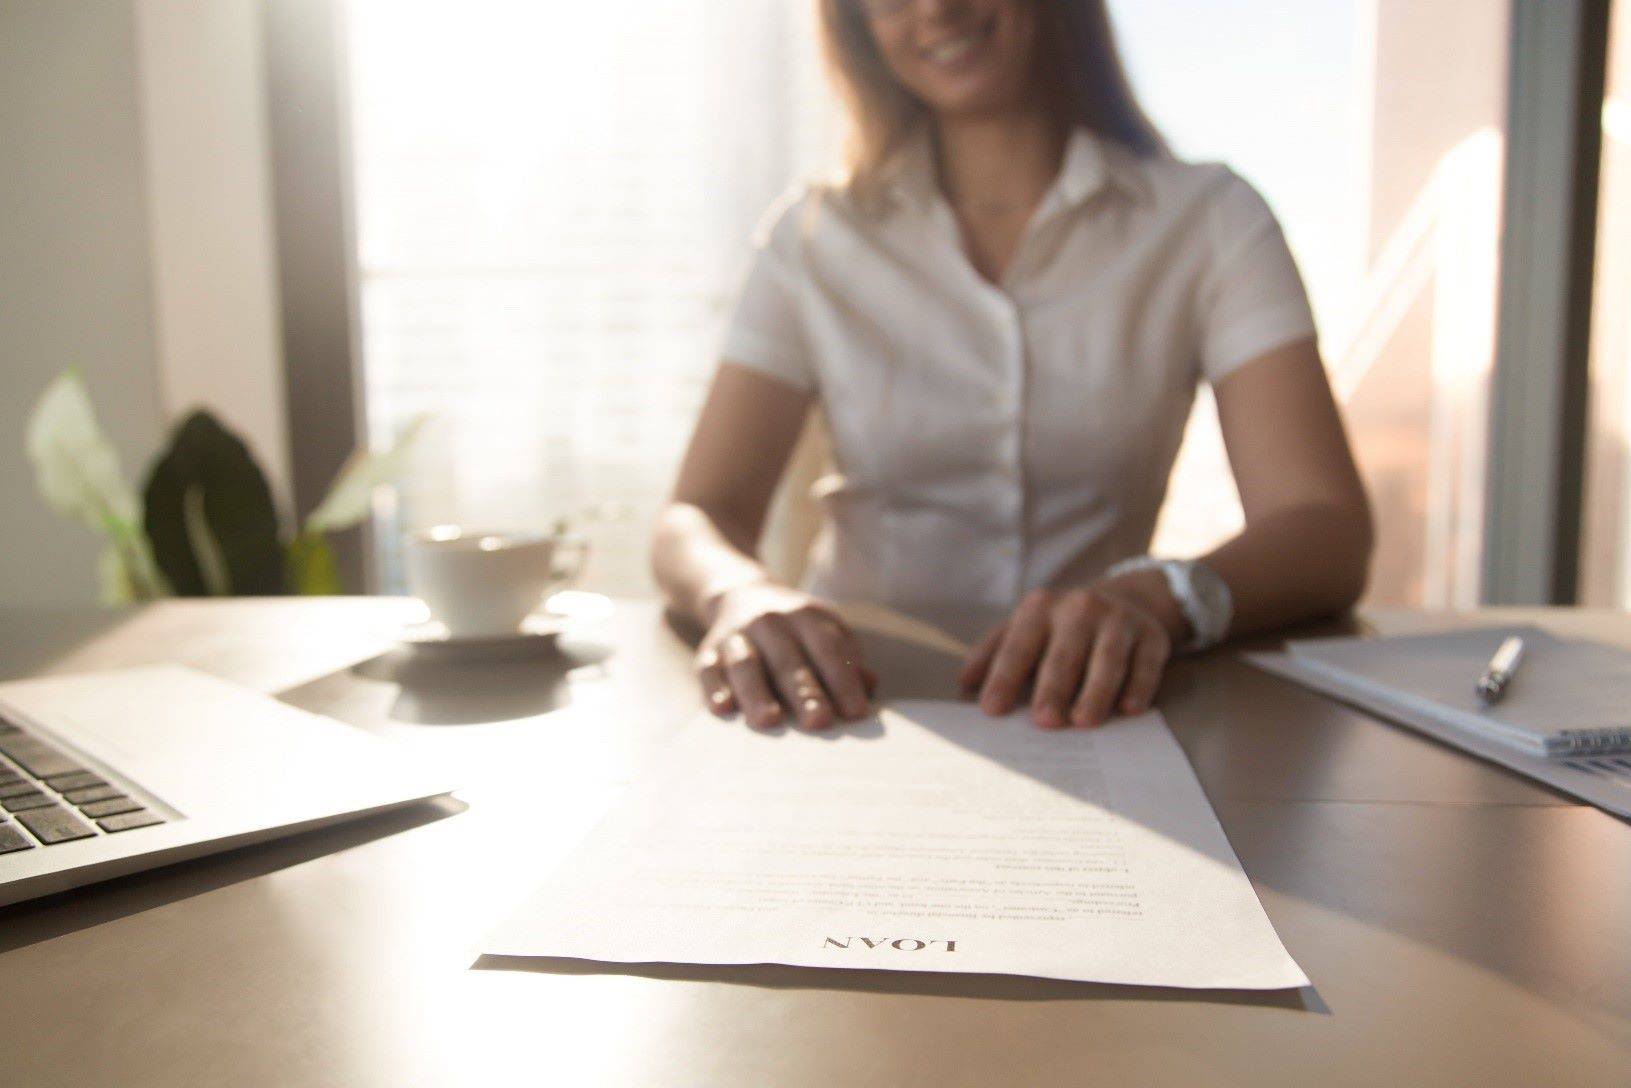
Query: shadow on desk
(776,976)
(35,920)
(436,690)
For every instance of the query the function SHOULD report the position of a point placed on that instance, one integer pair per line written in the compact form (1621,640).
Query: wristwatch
(1202,596)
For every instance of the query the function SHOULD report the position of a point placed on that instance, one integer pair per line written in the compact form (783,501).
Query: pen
(1500,670)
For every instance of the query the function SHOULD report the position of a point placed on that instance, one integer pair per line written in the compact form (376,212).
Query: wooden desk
(1461,925)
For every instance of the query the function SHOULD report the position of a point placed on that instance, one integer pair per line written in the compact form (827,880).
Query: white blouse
(988,440)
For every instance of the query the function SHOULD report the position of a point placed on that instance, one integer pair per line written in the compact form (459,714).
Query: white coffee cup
(485,582)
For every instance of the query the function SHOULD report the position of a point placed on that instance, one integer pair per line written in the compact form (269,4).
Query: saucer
(536,635)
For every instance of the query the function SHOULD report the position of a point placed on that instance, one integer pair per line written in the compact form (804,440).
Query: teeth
(954,50)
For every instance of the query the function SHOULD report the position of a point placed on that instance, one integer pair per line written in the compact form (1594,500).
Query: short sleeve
(765,331)
(1252,298)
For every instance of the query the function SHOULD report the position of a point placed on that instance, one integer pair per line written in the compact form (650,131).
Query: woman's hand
(773,651)
(1089,653)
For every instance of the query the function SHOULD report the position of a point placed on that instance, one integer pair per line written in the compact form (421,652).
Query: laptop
(112,773)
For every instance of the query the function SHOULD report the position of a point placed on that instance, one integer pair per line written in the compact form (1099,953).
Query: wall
(209,205)
(75,282)
(135,244)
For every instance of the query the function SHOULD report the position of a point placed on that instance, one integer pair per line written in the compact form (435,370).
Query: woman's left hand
(1089,653)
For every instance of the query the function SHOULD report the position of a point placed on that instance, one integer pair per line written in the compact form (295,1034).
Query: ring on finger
(805,685)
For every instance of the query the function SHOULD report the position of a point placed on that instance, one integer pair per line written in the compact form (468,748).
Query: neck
(999,160)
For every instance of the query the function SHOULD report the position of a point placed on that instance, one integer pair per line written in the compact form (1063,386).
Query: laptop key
(8,775)
(12,789)
(113,806)
(22,802)
(129,821)
(62,783)
(37,758)
(12,840)
(94,793)
(55,824)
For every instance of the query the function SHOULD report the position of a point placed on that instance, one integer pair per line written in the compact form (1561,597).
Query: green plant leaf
(352,491)
(312,570)
(75,467)
(224,537)
(212,565)
(77,472)
(126,572)
(113,578)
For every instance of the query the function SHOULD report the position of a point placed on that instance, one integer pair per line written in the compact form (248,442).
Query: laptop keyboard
(46,797)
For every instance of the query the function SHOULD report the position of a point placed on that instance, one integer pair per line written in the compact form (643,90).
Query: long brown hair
(1080,70)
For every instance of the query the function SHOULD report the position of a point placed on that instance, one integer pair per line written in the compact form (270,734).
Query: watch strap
(1201,595)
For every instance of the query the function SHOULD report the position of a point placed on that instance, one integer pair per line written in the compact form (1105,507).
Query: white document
(930,838)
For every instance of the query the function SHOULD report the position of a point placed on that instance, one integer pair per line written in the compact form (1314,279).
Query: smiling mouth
(957,48)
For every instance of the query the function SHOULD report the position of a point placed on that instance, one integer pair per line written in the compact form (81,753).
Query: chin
(976,101)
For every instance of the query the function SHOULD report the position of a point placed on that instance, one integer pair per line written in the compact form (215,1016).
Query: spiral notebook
(1565,720)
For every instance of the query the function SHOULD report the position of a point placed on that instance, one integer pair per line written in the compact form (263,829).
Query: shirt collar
(1090,165)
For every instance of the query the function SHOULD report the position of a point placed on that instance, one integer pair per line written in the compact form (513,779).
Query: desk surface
(1461,925)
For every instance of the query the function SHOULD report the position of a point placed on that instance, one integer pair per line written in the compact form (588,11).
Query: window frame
(1534,490)
(304,54)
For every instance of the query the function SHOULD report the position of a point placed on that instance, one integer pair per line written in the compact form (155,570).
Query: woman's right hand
(775,652)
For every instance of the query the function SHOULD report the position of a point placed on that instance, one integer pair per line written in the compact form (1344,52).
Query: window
(553,203)
(1605,562)
(1380,151)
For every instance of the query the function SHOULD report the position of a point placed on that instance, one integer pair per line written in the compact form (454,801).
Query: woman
(1003,311)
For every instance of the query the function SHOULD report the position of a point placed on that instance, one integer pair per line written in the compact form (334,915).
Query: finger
(751,686)
(1106,671)
(1060,676)
(716,687)
(1150,659)
(1017,656)
(972,674)
(869,676)
(792,676)
(837,660)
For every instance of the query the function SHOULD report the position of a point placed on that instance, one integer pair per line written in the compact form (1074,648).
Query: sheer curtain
(553,205)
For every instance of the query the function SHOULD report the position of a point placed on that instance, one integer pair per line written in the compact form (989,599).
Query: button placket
(1010,473)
